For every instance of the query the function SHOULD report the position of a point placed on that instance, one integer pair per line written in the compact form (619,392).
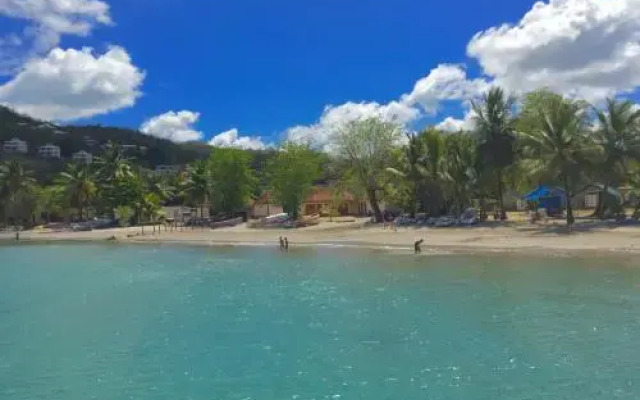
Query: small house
(15,146)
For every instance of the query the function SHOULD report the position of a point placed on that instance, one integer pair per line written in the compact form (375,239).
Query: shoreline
(537,240)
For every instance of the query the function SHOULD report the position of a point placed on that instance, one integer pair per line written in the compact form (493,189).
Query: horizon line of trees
(513,146)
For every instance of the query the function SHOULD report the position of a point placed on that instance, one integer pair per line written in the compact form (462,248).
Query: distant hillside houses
(49,151)
(82,157)
(15,146)
(166,169)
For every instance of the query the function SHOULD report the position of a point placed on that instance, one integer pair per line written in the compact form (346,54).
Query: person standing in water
(416,246)
(286,244)
(281,244)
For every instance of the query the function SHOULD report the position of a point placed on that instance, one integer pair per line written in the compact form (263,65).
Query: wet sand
(539,239)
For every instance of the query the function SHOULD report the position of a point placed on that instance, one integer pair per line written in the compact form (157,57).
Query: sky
(252,74)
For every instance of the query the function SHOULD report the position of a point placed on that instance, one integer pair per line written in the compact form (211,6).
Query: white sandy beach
(541,239)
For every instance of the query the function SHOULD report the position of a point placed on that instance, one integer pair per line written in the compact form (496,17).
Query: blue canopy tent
(548,197)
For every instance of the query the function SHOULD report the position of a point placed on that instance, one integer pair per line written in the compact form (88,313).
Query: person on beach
(416,246)
(281,244)
(286,244)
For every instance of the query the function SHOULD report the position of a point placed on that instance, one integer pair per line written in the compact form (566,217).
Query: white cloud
(175,126)
(47,21)
(451,124)
(585,48)
(334,117)
(232,138)
(445,82)
(71,84)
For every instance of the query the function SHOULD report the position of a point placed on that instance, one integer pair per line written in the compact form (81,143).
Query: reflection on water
(118,322)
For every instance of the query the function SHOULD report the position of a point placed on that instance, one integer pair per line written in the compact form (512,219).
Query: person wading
(281,244)
(416,246)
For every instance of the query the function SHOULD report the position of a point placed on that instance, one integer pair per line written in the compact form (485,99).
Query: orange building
(321,200)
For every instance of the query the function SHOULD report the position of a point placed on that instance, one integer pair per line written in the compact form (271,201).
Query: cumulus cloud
(445,82)
(71,84)
(47,21)
(232,138)
(585,48)
(451,124)
(174,126)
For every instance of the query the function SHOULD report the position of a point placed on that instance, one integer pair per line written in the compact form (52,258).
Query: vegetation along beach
(551,174)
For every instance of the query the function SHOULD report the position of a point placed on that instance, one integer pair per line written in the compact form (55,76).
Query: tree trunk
(567,192)
(373,199)
(500,197)
(601,206)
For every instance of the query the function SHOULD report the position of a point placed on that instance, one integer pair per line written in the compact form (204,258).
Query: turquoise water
(120,322)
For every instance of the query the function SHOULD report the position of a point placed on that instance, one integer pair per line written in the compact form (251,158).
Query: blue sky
(268,69)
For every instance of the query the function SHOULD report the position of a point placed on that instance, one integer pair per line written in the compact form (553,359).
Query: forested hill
(91,137)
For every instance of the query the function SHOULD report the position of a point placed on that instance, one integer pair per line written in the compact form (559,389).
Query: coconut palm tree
(554,140)
(421,164)
(15,181)
(618,137)
(460,170)
(494,127)
(197,185)
(113,163)
(79,187)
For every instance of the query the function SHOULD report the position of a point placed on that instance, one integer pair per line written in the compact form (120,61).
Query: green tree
(494,127)
(197,185)
(460,170)
(79,187)
(366,148)
(618,138)
(553,140)
(16,184)
(114,176)
(291,175)
(232,179)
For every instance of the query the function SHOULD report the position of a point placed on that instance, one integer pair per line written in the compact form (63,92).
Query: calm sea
(141,322)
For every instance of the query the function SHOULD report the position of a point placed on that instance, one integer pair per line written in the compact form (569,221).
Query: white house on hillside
(82,157)
(15,145)
(49,151)
(166,169)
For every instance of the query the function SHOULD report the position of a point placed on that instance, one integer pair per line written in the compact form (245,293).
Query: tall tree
(494,127)
(367,147)
(114,178)
(79,187)
(460,170)
(232,179)
(553,139)
(618,136)
(291,175)
(197,185)
(15,183)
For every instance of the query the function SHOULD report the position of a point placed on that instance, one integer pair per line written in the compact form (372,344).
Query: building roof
(317,195)
(325,195)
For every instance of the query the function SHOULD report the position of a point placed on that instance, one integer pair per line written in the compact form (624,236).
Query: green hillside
(73,138)
(149,151)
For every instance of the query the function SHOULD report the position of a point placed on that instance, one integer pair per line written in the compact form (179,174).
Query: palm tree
(79,187)
(554,142)
(494,127)
(460,170)
(618,136)
(15,180)
(113,164)
(197,185)
(113,173)
(421,164)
